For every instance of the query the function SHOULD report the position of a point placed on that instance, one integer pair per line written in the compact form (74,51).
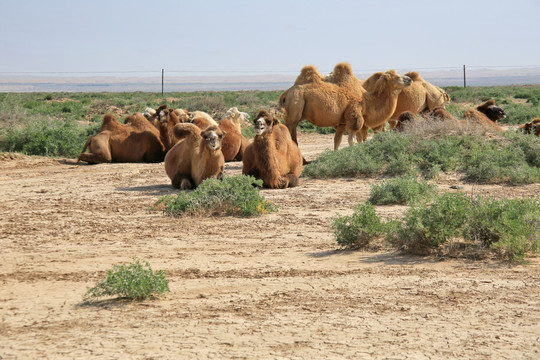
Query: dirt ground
(271,287)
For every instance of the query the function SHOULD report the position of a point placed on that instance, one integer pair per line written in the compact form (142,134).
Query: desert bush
(513,162)
(134,281)
(400,191)
(507,158)
(509,226)
(428,225)
(45,137)
(235,195)
(357,230)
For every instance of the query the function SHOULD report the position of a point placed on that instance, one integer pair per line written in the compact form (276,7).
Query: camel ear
(275,121)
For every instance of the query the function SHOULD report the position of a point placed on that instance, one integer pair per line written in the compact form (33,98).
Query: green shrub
(357,230)
(133,281)
(400,191)
(45,137)
(509,225)
(236,195)
(429,225)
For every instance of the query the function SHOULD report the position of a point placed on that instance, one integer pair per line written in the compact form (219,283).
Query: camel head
(390,80)
(492,111)
(150,114)
(264,123)
(213,137)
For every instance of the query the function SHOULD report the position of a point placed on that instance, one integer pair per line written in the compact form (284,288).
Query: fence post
(162,76)
(464,78)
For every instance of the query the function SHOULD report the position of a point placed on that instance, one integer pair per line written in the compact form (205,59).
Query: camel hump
(308,74)
(182,130)
(414,75)
(107,118)
(487,104)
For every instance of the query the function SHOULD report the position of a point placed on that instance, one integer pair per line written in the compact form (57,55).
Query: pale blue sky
(266,36)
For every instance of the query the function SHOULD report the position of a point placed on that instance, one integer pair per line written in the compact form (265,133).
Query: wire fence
(179,80)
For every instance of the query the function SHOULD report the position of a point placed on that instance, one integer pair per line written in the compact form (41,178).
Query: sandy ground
(272,287)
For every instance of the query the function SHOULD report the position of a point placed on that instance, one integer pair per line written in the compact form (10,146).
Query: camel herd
(195,147)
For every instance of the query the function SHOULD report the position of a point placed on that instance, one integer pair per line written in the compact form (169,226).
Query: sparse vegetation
(506,228)
(400,191)
(232,195)
(510,158)
(135,281)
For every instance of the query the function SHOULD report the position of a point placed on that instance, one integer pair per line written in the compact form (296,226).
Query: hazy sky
(265,36)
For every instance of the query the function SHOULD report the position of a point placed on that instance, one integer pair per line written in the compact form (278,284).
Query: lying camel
(117,142)
(234,143)
(272,156)
(166,120)
(531,127)
(485,115)
(237,117)
(322,103)
(195,157)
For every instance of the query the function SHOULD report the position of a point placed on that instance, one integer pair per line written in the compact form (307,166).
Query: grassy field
(57,124)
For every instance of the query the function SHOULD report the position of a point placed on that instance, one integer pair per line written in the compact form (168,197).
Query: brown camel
(122,143)
(322,103)
(234,143)
(272,156)
(195,157)
(485,115)
(531,127)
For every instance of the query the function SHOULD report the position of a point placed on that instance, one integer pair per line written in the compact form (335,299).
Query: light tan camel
(378,103)
(195,157)
(322,103)
(272,156)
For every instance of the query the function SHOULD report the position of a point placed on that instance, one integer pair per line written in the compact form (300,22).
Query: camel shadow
(387,258)
(155,190)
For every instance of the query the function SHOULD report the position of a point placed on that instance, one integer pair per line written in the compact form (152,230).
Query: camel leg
(293,180)
(340,130)
(350,138)
(361,135)
(393,123)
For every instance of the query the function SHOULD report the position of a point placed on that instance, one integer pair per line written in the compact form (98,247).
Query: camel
(117,142)
(237,117)
(166,120)
(195,157)
(379,102)
(485,115)
(420,97)
(322,103)
(234,143)
(531,127)
(273,156)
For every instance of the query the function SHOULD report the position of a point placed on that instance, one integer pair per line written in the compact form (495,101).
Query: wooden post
(162,76)
(464,78)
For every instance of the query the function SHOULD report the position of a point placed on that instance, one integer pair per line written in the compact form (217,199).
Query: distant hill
(476,77)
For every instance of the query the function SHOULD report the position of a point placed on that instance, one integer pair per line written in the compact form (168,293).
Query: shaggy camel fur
(234,143)
(166,120)
(485,115)
(272,156)
(322,103)
(380,101)
(532,127)
(420,97)
(122,143)
(195,157)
